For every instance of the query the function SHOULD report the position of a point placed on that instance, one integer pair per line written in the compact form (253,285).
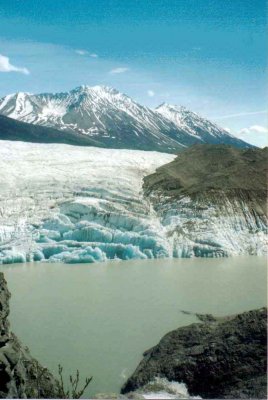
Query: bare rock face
(221,358)
(21,376)
(4,310)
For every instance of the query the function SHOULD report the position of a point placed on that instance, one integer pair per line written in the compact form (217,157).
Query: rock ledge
(221,358)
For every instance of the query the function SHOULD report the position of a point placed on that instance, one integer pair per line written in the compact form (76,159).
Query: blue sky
(209,55)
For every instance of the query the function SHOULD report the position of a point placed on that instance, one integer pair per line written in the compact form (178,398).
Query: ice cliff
(76,204)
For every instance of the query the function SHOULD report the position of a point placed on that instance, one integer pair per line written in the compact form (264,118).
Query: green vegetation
(73,392)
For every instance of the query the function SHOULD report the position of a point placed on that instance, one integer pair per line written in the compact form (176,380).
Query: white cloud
(6,66)
(81,52)
(255,134)
(85,53)
(150,93)
(241,114)
(119,70)
(253,129)
(227,129)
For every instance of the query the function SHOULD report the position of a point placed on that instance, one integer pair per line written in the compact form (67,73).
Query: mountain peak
(23,94)
(105,89)
(98,89)
(174,113)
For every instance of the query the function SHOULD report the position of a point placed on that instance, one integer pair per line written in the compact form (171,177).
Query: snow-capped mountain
(115,120)
(192,123)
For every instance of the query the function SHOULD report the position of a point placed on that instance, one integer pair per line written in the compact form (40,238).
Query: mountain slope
(114,119)
(11,129)
(207,167)
(212,200)
(200,129)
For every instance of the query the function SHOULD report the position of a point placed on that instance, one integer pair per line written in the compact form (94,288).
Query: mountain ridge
(114,120)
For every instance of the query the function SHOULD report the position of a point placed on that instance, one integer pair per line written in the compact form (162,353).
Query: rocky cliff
(212,201)
(21,376)
(218,358)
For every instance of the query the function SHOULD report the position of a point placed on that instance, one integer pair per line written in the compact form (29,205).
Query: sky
(208,55)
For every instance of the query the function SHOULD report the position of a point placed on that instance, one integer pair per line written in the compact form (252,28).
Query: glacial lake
(99,318)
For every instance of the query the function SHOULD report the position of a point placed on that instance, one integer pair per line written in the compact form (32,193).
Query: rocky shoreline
(217,358)
(21,376)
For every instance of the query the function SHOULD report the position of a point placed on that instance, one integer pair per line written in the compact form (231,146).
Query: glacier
(77,204)
(62,203)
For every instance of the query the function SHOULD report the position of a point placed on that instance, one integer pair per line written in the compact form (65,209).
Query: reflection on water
(100,318)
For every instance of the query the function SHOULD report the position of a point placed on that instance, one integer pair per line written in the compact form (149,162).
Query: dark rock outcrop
(21,376)
(221,358)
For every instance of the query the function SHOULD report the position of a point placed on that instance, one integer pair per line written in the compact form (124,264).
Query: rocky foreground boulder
(21,376)
(217,358)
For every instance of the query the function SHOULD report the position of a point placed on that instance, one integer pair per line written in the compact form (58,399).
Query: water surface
(99,318)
